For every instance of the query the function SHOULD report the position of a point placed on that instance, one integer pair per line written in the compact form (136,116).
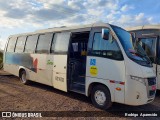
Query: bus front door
(61,42)
(59,72)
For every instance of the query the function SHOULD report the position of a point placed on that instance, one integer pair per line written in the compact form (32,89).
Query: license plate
(153,87)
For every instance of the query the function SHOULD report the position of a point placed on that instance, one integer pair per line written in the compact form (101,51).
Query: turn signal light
(118,88)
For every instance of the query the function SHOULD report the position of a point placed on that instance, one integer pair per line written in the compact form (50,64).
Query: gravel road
(14,96)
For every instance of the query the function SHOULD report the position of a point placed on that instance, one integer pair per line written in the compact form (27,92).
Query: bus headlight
(139,79)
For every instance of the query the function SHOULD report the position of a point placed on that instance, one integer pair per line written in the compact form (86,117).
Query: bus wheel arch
(22,76)
(97,90)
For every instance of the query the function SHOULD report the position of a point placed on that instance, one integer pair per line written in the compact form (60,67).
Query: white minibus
(97,60)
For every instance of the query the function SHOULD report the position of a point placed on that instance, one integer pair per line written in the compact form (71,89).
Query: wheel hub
(100,97)
(23,78)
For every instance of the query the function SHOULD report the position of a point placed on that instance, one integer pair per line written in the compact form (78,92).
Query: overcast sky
(19,16)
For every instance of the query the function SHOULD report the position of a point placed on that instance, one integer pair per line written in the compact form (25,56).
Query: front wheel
(23,77)
(101,97)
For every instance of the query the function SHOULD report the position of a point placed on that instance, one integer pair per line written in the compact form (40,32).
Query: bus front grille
(151,87)
(152,92)
(151,81)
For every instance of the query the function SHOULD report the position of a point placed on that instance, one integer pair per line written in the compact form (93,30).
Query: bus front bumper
(137,93)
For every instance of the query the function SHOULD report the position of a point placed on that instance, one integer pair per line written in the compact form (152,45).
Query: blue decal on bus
(92,61)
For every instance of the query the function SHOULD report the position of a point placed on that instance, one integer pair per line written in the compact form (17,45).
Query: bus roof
(63,28)
(143,27)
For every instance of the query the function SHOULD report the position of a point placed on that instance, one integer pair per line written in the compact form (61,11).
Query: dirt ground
(14,96)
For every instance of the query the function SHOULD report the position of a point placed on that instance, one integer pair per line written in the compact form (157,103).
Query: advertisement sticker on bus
(93,70)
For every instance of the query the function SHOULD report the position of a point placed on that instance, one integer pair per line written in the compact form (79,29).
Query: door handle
(64,67)
(57,72)
(54,65)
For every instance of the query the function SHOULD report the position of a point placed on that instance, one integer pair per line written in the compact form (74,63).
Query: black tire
(103,101)
(23,77)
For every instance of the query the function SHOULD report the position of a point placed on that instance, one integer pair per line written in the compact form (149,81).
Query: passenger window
(44,42)
(11,44)
(31,43)
(20,44)
(106,48)
(61,41)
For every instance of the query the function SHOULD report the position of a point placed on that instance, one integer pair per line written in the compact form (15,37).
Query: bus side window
(31,44)
(106,48)
(11,44)
(44,42)
(61,41)
(20,44)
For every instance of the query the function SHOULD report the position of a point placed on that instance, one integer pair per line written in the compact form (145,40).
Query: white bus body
(83,60)
(149,38)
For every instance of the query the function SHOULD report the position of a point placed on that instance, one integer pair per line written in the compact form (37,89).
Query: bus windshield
(137,54)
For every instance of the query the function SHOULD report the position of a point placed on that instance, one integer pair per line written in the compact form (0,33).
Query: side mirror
(105,34)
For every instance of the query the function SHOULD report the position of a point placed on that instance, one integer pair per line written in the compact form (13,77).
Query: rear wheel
(101,97)
(23,77)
